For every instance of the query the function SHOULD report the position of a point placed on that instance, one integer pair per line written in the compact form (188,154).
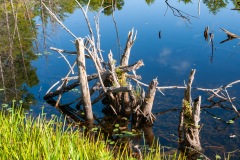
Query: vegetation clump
(23,136)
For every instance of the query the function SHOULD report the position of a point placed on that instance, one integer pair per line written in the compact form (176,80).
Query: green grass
(24,137)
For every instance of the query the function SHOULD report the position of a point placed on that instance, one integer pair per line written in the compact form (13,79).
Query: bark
(230,36)
(148,100)
(124,62)
(83,80)
(132,67)
(68,88)
(112,69)
(189,127)
(129,44)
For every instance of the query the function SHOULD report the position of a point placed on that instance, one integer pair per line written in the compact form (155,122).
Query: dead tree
(146,107)
(124,62)
(83,82)
(189,127)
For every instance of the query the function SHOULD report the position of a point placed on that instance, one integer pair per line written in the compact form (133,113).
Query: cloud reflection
(173,60)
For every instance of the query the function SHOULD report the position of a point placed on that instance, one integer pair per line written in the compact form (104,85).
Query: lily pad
(115,130)
(218,157)
(116,125)
(230,122)
(112,142)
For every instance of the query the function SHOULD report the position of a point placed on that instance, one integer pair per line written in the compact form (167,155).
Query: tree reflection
(215,5)
(150,1)
(16,52)
(18,34)
(108,5)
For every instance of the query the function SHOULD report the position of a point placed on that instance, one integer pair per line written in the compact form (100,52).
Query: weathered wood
(126,107)
(83,80)
(230,36)
(192,128)
(129,44)
(189,118)
(112,69)
(69,87)
(132,67)
(148,100)
(187,95)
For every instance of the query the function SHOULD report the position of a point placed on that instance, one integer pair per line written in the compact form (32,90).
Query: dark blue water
(181,48)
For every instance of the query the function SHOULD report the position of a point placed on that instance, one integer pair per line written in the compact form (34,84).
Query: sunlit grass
(25,137)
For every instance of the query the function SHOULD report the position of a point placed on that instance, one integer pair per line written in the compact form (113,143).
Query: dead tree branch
(129,44)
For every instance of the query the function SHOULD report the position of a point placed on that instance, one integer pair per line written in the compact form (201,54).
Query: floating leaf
(21,101)
(112,142)
(116,125)
(128,134)
(1,89)
(94,129)
(39,54)
(230,122)
(215,117)
(218,157)
(115,130)
(218,118)
(4,105)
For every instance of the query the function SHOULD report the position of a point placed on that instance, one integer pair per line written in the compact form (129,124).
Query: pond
(170,41)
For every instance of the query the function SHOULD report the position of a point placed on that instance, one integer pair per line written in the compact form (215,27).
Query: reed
(25,137)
